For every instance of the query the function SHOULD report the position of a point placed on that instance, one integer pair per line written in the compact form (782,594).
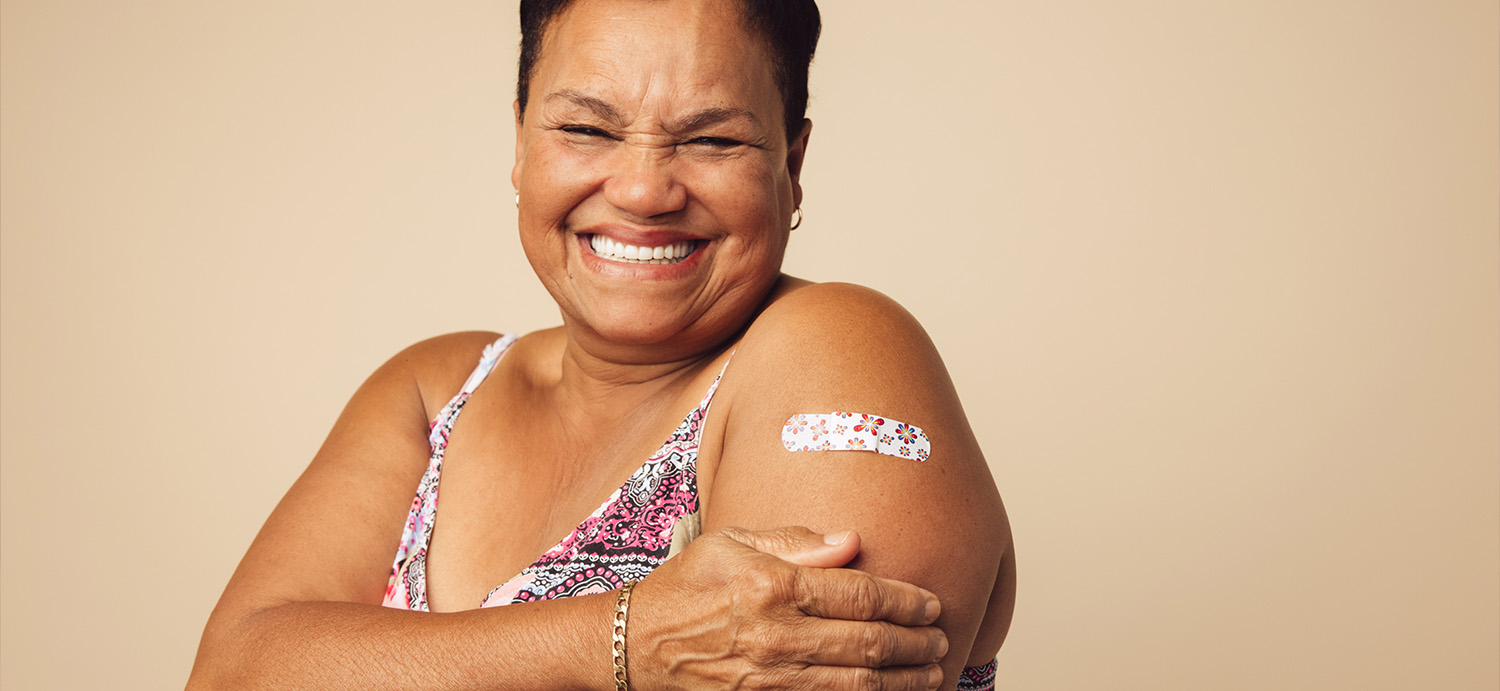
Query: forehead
(658,53)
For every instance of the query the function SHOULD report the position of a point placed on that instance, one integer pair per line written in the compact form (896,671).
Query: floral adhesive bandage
(855,432)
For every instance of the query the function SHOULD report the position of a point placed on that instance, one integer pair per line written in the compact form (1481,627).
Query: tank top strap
(487,360)
(709,397)
(441,425)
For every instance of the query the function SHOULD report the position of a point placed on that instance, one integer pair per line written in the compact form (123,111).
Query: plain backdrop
(1219,283)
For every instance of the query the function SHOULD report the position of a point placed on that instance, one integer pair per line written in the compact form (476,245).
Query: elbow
(225,653)
(213,670)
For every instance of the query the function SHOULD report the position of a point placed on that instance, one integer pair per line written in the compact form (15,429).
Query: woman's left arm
(932,520)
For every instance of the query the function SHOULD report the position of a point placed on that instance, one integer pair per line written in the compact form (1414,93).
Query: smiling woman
(655,132)
(658,157)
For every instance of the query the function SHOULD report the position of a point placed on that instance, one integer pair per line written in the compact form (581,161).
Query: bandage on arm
(840,431)
(935,521)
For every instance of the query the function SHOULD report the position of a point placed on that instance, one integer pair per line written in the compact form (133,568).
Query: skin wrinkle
(598,106)
(708,117)
(669,84)
(626,27)
(789,123)
(739,125)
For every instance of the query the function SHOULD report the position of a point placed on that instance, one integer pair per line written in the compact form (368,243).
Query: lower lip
(642,271)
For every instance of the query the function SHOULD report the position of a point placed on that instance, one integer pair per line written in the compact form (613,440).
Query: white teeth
(662,254)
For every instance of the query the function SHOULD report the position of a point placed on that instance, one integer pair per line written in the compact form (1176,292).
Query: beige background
(1219,283)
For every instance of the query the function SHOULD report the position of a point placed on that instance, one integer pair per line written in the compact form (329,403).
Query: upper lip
(640,237)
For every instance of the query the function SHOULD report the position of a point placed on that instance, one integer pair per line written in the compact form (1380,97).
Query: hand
(768,610)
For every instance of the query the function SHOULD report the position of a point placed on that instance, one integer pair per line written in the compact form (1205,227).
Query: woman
(659,147)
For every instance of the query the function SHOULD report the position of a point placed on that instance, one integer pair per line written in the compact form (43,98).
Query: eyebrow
(587,102)
(699,120)
(713,116)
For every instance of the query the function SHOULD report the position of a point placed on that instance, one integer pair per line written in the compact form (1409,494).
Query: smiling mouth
(617,251)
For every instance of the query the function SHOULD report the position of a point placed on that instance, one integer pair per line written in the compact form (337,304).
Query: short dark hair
(789,27)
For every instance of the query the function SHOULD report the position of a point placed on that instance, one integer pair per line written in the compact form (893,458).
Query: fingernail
(942,648)
(934,677)
(933,609)
(836,538)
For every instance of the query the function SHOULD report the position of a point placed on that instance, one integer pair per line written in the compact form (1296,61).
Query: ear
(796,151)
(515,171)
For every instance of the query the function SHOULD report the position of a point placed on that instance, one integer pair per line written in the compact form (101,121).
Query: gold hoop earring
(796,218)
(518,200)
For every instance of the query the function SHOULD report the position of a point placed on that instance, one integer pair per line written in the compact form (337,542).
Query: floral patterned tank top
(646,520)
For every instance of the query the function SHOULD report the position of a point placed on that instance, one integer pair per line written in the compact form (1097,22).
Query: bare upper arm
(333,535)
(938,524)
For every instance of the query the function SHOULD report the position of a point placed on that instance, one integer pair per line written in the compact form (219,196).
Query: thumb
(801,546)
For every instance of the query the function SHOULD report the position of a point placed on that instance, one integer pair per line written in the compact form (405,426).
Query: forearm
(561,644)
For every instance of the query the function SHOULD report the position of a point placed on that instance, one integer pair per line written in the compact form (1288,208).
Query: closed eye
(585,130)
(719,142)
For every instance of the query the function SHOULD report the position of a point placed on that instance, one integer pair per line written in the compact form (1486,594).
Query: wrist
(586,664)
(651,667)
(619,643)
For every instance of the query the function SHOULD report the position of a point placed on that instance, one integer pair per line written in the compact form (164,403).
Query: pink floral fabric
(626,538)
(978,678)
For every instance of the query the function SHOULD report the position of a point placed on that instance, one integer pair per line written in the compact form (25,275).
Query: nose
(644,184)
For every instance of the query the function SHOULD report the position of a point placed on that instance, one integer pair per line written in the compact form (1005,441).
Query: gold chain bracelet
(622,613)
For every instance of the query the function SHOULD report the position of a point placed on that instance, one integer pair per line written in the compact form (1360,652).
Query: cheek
(554,171)
(742,193)
(550,187)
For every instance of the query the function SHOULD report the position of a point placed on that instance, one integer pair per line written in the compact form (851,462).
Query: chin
(637,330)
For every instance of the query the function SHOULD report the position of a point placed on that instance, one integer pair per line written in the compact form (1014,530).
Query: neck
(611,369)
(593,371)
(587,377)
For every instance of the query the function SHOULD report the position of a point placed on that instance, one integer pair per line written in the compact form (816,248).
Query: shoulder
(834,315)
(829,351)
(435,369)
(841,337)
(837,351)
(446,351)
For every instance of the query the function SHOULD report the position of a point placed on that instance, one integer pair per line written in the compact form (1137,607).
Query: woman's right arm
(302,610)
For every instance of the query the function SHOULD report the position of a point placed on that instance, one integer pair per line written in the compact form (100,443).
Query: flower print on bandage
(840,431)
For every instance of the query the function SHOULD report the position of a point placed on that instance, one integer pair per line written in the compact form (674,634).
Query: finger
(874,644)
(799,545)
(865,679)
(858,596)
